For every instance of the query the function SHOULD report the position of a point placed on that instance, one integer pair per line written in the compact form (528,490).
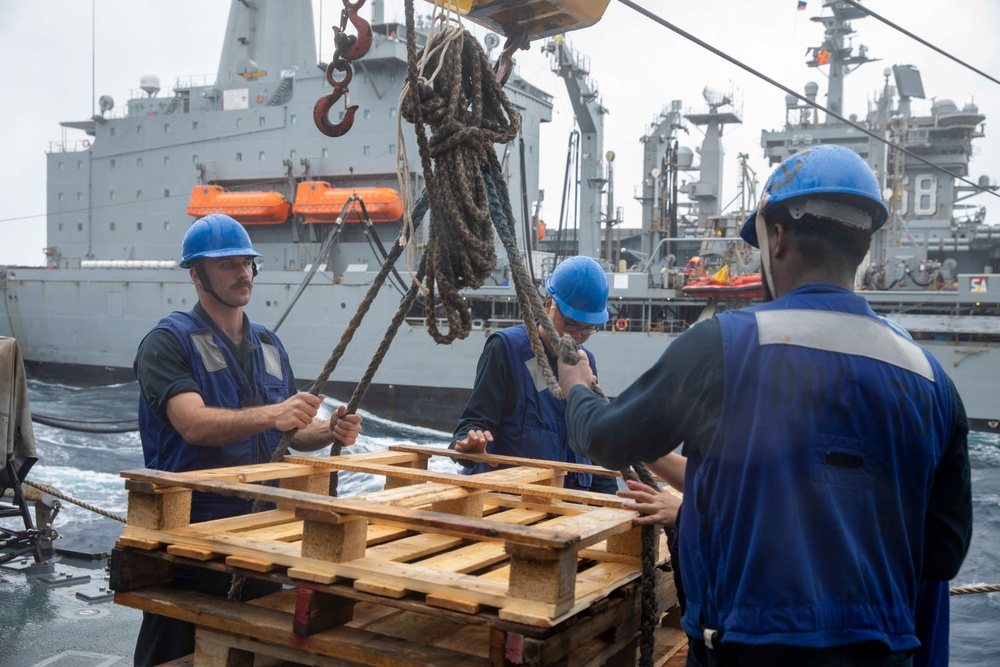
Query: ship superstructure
(119,206)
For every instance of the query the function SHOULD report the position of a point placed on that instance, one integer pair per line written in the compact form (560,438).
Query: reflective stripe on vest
(843,333)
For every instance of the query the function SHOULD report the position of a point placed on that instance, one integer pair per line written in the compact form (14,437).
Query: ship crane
(589,110)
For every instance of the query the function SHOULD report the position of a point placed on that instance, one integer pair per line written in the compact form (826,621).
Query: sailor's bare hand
(474,443)
(296,412)
(658,506)
(570,376)
(345,427)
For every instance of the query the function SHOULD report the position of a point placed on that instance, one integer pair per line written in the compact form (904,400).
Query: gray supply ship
(120,200)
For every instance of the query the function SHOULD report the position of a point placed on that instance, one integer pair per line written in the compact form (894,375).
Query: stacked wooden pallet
(506,567)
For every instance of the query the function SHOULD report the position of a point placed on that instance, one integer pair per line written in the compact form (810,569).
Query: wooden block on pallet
(318,483)
(542,575)
(158,508)
(420,463)
(332,537)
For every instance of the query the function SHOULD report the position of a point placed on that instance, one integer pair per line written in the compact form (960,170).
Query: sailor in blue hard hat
(827,465)
(216,236)
(217,390)
(511,410)
(830,186)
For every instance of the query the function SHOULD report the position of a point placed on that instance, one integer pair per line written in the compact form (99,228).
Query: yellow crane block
(538,18)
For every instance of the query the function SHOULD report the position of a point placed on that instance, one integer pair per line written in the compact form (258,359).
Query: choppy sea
(86,466)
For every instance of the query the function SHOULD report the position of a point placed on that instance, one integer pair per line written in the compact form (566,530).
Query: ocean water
(86,466)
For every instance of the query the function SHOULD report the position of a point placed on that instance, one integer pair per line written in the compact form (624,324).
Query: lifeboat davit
(318,201)
(249,208)
(740,287)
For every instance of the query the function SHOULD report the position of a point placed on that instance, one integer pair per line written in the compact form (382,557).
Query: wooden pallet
(509,553)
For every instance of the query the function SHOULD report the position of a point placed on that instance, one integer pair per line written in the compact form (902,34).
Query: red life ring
(260,98)
(621,324)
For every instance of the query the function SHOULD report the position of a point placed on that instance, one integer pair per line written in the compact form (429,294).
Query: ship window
(166,160)
(166,128)
(292,153)
(111,131)
(294,119)
(368,113)
(138,194)
(111,226)
(60,226)
(79,165)
(260,156)
(79,226)
(392,149)
(60,196)
(166,225)
(392,112)
(194,159)
(138,162)
(166,193)
(239,122)
(113,163)
(79,196)
(239,157)
(138,129)
(112,195)
(138,226)
(60,166)
(326,152)
(262,121)
(367,150)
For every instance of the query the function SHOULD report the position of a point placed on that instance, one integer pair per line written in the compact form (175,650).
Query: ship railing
(75,146)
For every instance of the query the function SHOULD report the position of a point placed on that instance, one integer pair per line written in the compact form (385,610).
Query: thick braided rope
(45,488)
(467,112)
(650,612)
(530,303)
(419,210)
(969,590)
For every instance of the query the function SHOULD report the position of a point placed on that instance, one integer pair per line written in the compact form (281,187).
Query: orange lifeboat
(741,287)
(318,201)
(249,208)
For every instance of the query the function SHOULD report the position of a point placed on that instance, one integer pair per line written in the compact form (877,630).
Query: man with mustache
(218,391)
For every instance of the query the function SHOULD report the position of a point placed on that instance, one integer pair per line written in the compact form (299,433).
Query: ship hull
(104,314)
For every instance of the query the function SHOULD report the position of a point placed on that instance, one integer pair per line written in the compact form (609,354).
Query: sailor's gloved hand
(345,427)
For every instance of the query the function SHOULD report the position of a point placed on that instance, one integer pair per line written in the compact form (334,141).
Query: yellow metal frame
(540,18)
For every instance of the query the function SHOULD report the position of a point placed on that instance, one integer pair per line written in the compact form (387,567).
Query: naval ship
(245,144)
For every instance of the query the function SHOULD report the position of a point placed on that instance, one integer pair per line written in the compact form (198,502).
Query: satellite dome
(150,83)
(685,157)
(970,108)
(943,106)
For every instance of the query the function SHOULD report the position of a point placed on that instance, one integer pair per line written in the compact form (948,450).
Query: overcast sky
(639,68)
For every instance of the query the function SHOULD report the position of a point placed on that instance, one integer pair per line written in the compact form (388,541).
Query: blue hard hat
(580,289)
(822,172)
(215,235)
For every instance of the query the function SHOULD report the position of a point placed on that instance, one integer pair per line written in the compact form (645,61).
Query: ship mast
(841,59)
